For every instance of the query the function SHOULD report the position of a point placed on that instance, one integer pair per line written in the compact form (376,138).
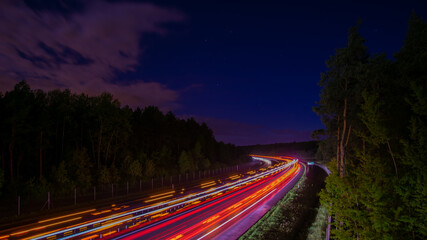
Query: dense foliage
(375,113)
(63,140)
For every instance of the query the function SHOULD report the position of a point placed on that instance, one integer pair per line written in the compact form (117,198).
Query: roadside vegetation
(292,216)
(374,109)
(317,230)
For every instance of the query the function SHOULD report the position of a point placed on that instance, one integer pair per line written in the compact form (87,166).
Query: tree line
(375,113)
(62,140)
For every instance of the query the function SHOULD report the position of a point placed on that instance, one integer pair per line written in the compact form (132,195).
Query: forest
(61,140)
(374,109)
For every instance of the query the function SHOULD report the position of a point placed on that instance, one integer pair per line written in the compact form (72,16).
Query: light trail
(197,209)
(69,215)
(196,197)
(236,215)
(215,214)
(161,194)
(156,199)
(208,185)
(167,210)
(45,226)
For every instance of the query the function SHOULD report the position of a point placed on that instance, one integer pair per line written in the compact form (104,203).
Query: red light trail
(210,211)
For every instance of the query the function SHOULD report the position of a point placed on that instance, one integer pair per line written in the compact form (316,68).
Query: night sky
(249,69)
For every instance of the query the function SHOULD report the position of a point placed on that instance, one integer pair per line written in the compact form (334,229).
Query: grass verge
(293,215)
(317,229)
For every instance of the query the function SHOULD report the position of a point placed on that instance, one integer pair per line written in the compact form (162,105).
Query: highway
(209,211)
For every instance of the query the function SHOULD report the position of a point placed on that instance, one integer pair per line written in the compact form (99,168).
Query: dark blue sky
(259,63)
(249,68)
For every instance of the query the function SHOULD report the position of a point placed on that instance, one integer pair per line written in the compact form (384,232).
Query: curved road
(220,208)
(217,217)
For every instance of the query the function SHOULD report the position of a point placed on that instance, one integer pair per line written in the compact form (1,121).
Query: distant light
(310,163)
(262,159)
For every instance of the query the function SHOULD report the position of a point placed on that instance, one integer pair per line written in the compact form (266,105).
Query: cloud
(241,134)
(82,51)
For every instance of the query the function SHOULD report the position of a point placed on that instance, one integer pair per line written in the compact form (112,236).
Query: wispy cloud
(84,50)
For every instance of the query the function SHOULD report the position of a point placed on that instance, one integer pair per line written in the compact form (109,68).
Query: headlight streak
(211,219)
(69,215)
(283,180)
(177,237)
(208,185)
(109,233)
(234,177)
(156,211)
(236,215)
(90,237)
(161,194)
(186,214)
(190,232)
(155,199)
(45,226)
(179,202)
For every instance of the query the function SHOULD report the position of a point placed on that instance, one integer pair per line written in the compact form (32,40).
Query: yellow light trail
(115,220)
(69,215)
(206,183)
(161,194)
(97,213)
(159,215)
(211,219)
(235,206)
(38,235)
(26,231)
(177,237)
(41,234)
(152,200)
(45,226)
(108,233)
(234,177)
(90,237)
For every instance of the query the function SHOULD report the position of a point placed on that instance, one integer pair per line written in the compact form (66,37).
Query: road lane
(213,218)
(211,197)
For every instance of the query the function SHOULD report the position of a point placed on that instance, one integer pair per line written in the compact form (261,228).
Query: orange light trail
(208,185)
(161,194)
(45,226)
(152,200)
(189,201)
(108,233)
(69,215)
(262,191)
(90,237)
